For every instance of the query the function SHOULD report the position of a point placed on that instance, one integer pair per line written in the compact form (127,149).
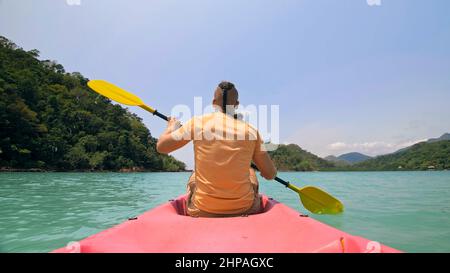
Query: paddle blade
(317,201)
(114,93)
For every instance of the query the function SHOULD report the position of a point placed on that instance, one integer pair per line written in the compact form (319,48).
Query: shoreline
(36,170)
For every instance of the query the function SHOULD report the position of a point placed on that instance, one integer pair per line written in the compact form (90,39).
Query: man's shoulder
(253,132)
(196,118)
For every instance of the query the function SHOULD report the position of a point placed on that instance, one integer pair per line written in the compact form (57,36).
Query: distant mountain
(434,155)
(445,136)
(347,159)
(354,158)
(293,158)
(337,161)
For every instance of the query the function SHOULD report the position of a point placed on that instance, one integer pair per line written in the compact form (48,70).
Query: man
(222,184)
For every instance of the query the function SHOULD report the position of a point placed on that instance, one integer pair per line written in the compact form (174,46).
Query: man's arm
(263,161)
(167,142)
(265,165)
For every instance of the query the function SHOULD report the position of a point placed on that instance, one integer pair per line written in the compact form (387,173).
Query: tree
(51,119)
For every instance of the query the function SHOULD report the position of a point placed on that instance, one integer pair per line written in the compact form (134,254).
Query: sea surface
(40,212)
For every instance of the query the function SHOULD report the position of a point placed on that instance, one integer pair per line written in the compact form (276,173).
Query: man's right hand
(172,125)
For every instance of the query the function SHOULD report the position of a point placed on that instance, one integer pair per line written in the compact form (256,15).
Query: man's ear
(237,103)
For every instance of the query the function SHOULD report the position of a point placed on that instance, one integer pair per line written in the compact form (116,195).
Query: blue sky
(347,76)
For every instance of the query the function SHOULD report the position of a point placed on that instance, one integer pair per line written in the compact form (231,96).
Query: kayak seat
(180,204)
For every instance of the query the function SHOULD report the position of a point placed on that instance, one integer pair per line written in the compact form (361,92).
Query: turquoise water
(43,211)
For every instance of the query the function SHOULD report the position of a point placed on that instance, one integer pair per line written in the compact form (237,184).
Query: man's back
(223,148)
(222,164)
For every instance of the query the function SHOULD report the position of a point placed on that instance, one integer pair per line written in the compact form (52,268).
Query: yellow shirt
(223,148)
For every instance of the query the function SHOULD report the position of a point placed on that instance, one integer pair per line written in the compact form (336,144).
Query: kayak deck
(166,229)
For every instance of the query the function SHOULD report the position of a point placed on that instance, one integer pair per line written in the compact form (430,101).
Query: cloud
(325,139)
(371,148)
(338,146)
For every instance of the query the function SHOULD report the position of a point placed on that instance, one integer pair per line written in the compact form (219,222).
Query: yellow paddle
(119,95)
(313,199)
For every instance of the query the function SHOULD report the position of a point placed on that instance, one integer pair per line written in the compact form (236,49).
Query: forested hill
(433,155)
(293,158)
(50,120)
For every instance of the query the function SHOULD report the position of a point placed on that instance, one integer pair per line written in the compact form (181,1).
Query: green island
(433,154)
(419,157)
(50,120)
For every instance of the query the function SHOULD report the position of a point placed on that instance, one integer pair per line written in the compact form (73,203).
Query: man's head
(228,91)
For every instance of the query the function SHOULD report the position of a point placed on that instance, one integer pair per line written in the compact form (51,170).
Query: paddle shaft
(164,117)
(154,112)
(285,183)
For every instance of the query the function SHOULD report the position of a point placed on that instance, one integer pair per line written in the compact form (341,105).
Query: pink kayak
(279,229)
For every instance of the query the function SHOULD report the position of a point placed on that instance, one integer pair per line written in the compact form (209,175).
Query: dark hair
(225,86)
